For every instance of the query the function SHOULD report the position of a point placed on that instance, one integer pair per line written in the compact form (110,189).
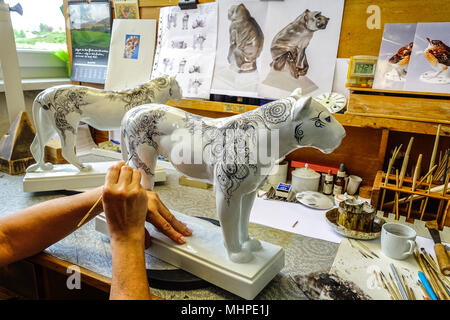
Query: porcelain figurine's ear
(297,93)
(302,104)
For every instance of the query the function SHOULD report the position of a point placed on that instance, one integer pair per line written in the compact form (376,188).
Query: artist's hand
(125,203)
(164,220)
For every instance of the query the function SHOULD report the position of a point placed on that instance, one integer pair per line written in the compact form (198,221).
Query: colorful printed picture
(131,50)
(394,57)
(429,68)
(127,9)
(239,47)
(90,30)
(300,47)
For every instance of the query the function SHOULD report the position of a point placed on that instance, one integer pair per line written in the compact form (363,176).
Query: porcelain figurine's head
(314,126)
(175,91)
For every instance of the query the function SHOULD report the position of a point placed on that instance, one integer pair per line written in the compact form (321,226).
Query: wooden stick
(436,143)
(426,176)
(388,172)
(396,196)
(405,161)
(426,200)
(444,217)
(416,175)
(89,212)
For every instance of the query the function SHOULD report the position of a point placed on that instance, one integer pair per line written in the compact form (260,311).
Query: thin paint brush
(96,202)
(399,283)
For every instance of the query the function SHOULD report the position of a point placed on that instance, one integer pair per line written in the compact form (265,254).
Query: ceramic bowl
(332,217)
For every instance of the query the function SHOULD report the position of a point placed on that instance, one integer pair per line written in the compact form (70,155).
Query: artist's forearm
(129,277)
(33,229)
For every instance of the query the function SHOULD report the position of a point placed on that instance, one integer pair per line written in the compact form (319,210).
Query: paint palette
(315,200)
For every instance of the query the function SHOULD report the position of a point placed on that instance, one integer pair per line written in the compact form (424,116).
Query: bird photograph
(438,56)
(400,60)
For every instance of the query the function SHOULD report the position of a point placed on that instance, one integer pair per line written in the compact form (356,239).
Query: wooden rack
(420,203)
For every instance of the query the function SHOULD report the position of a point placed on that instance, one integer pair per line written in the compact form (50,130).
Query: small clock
(361,71)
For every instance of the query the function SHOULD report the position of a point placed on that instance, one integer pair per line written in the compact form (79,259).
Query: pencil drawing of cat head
(60,109)
(246,39)
(288,47)
(236,153)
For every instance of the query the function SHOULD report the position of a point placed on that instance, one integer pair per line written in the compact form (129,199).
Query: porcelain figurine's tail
(40,140)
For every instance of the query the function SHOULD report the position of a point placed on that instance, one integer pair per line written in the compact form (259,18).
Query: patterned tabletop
(91,249)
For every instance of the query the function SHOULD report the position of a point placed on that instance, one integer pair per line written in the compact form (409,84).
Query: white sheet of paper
(186,47)
(131,53)
(283,215)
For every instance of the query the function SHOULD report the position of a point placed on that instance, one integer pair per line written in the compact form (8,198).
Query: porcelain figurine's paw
(243,256)
(86,168)
(47,166)
(33,167)
(252,244)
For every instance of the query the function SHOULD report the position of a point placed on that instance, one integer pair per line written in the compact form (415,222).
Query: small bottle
(328,184)
(339,183)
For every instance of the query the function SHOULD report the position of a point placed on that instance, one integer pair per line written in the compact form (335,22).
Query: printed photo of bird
(400,60)
(438,55)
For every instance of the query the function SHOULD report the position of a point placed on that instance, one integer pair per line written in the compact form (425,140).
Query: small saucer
(332,217)
(315,200)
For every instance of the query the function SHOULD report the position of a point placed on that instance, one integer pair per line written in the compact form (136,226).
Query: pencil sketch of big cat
(288,47)
(60,109)
(222,151)
(246,39)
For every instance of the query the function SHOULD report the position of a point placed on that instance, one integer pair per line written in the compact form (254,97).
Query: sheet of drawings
(186,48)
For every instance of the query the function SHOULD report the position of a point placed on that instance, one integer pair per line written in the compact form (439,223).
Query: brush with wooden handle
(439,248)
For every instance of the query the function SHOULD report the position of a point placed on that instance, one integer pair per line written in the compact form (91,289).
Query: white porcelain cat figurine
(60,109)
(221,151)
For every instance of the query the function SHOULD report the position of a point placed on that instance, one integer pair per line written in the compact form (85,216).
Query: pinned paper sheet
(131,53)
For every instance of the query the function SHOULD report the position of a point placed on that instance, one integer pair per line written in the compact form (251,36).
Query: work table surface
(91,250)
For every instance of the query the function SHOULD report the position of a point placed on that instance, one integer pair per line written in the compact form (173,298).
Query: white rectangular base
(204,255)
(68,177)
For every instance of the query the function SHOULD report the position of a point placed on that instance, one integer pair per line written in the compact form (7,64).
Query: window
(40,39)
(41,27)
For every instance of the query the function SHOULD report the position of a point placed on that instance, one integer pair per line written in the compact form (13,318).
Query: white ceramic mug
(278,174)
(353,184)
(397,240)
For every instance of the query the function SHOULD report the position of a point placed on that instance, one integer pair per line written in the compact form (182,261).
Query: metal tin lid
(306,173)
